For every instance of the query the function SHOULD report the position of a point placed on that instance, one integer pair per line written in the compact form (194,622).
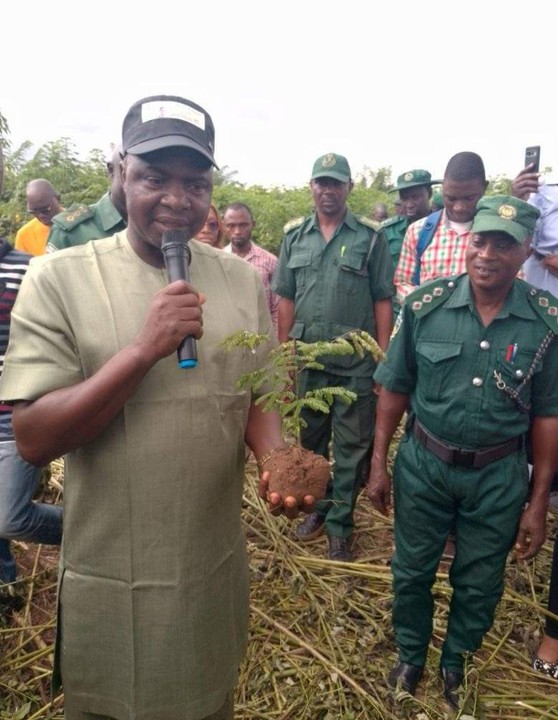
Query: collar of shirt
(516,302)
(348,220)
(110,217)
(253,252)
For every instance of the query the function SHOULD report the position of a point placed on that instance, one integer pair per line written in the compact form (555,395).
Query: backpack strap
(373,237)
(424,239)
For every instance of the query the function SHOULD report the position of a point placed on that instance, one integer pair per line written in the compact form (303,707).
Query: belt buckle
(464,458)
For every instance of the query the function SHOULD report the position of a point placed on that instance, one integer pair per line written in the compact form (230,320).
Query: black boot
(405,676)
(453,680)
(311,528)
(340,549)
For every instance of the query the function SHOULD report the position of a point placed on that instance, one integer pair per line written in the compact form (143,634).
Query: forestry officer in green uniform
(415,191)
(474,359)
(82,223)
(334,276)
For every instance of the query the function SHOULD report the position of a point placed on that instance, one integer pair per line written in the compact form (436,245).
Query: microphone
(177,259)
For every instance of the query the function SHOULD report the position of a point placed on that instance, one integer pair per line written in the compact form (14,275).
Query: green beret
(503,213)
(414,178)
(332,166)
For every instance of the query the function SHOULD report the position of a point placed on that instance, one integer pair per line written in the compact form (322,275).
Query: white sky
(388,84)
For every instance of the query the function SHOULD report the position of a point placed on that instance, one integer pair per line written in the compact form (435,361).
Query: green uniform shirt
(394,229)
(334,285)
(82,223)
(449,363)
(153,577)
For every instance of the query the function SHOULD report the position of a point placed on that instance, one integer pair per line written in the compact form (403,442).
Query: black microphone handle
(177,259)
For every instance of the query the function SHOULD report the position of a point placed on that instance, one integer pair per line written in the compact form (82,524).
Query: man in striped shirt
(463,185)
(20,517)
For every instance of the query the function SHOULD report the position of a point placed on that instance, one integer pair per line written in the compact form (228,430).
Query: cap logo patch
(507,212)
(154,110)
(329,160)
(408,177)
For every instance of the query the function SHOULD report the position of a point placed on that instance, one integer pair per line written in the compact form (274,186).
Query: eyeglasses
(40,211)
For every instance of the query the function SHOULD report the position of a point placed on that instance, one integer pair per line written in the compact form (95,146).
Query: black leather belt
(454,455)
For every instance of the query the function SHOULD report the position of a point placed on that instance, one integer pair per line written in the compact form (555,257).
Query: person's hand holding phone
(533,158)
(527,181)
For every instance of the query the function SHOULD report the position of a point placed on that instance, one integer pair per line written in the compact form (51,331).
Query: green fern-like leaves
(364,343)
(279,378)
(244,338)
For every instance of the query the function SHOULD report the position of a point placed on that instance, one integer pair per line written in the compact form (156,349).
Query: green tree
(4,132)
(58,161)
(85,180)
(274,207)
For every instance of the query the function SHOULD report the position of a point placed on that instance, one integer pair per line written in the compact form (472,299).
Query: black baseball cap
(162,121)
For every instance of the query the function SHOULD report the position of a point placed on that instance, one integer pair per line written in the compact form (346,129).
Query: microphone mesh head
(176,242)
(175,237)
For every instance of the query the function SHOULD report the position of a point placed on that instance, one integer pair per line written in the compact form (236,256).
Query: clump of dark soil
(297,472)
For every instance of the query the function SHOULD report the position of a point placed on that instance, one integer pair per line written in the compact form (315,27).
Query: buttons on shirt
(485,345)
(477,382)
(519,373)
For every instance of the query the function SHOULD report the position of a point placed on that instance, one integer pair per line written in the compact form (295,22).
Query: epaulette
(292,224)
(368,222)
(430,295)
(392,221)
(545,305)
(74,216)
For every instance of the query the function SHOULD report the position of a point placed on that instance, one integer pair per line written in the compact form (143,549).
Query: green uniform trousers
(485,506)
(351,428)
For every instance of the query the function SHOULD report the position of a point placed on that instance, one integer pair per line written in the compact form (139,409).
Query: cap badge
(173,110)
(329,160)
(408,177)
(507,212)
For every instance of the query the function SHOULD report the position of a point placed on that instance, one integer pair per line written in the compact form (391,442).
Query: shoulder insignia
(392,221)
(429,296)
(74,216)
(363,220)
(292,224)
(545,305)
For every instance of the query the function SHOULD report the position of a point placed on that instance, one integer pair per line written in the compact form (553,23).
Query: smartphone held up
(532,157)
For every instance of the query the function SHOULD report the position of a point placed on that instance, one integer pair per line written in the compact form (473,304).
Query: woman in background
(212,232)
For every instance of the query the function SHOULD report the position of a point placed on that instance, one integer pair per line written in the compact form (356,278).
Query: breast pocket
(301,265)
(512,369)
(353,275)
(436,361)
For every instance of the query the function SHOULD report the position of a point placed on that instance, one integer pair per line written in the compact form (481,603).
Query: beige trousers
(226,712)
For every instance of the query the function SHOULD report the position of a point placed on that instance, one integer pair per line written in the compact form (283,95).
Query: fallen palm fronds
(321,641)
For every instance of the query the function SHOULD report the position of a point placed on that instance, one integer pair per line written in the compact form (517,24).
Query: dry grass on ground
(320,639)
